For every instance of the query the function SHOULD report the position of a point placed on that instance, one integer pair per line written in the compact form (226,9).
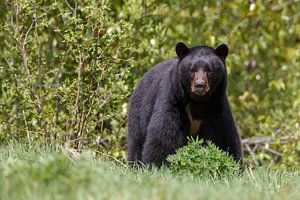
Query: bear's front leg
(164,136)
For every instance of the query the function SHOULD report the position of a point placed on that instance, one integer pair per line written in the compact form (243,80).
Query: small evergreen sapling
(203,160)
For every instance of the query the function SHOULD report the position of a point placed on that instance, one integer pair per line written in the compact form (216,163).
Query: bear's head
(202,70)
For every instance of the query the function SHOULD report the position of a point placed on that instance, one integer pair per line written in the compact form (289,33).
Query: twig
(251,145)
(251,154)
(269,140)
(109,156)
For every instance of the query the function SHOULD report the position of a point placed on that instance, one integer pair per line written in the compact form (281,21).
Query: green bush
(64,67)
(202,160)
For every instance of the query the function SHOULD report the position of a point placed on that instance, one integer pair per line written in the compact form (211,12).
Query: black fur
(158,123)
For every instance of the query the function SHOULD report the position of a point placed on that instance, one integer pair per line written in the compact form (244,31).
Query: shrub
(63,72)
(200,160)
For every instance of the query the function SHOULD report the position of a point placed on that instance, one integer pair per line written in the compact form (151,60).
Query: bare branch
(270,140)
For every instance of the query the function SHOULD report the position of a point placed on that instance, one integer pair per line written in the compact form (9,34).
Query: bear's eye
(192,69)
(209,72)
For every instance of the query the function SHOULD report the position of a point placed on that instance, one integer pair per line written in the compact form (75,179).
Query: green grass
(28,172)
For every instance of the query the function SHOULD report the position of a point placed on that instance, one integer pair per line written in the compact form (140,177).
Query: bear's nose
(200,86)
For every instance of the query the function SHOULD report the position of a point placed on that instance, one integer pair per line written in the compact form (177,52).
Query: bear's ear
(181,50)
(222,51)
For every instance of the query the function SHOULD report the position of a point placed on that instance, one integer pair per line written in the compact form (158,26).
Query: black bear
(180,98)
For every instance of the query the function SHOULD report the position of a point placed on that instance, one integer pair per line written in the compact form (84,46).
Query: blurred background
(67,68)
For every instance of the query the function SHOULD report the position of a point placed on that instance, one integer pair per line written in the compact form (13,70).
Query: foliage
(60,75)
(200,160)
(67,68)
(44,173)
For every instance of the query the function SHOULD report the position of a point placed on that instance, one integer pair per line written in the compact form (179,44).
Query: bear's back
(151,80)
(158,71)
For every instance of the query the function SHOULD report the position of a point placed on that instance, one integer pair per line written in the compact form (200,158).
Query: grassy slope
(39,173)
